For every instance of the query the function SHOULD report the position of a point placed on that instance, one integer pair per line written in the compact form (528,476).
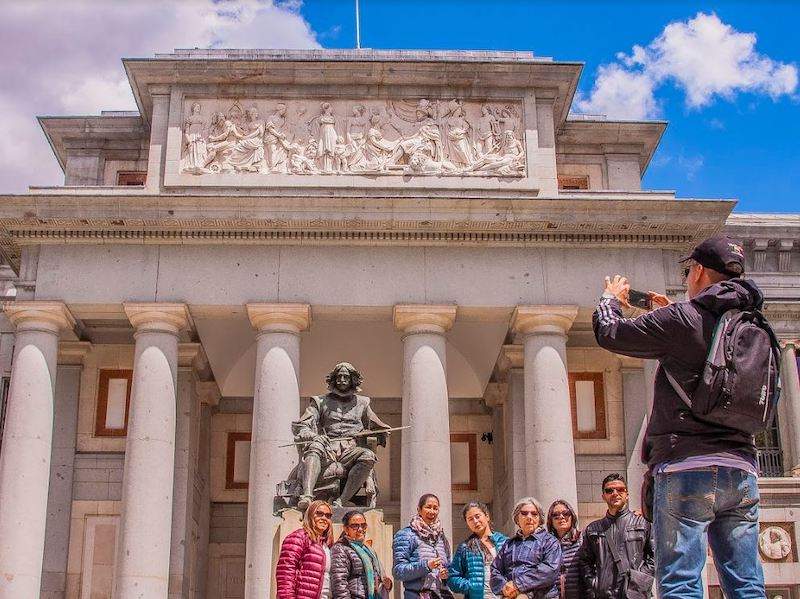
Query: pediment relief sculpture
(396,137)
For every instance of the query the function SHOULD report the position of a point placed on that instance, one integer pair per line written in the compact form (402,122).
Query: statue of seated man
(333,428)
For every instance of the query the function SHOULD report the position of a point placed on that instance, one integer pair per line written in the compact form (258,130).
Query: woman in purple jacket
(528,564)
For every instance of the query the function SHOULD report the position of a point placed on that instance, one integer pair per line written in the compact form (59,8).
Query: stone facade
(182,295)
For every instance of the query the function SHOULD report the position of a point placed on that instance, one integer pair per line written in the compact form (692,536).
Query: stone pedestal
(276,404)
(425,445)
(27,444)
(146,521)
(549,446)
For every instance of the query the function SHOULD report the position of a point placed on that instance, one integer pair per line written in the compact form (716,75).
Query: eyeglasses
(357,526)
(529,513)
(559,515)
(326,515)
(612,490)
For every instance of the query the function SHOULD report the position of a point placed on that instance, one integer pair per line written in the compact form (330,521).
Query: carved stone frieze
(409,136)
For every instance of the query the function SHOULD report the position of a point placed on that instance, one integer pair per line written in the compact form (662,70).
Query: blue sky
(745,147)
(724,74)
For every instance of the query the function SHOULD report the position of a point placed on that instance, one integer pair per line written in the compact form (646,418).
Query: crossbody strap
(612,547)
(678,389)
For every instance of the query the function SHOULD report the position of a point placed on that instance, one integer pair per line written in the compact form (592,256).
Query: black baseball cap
(720,253)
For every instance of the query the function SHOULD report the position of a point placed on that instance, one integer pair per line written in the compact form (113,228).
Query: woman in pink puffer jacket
(304,563)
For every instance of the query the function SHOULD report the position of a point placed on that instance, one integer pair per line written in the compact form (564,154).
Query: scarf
(475,545)
(368,559)
(429,534)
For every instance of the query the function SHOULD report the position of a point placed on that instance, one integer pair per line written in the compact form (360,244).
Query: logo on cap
(736,249)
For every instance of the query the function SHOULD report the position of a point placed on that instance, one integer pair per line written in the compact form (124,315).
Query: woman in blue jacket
(529,563)
(469,570)
(422,553)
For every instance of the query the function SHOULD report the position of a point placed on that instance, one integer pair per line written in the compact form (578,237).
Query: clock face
(774,543)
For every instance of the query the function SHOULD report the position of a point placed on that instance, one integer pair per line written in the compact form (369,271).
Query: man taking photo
(699,450)
(616,557)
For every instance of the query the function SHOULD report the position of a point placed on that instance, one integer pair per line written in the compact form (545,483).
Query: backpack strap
(719,335)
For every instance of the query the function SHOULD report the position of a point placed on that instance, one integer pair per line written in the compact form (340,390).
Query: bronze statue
(336,445)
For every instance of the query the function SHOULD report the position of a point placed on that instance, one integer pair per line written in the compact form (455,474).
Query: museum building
(437,219)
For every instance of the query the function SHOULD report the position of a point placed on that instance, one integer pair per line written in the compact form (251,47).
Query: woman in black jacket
(356,571)
(562,523)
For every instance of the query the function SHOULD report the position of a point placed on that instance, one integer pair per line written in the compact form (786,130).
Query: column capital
(27,315)
(158,316)
(628,363)
(544,319)
(786,343)
(495,394)
(279,318)
(73,352)
(511,356)
(424,318)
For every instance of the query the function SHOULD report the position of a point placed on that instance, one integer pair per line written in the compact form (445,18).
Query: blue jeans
(716,505)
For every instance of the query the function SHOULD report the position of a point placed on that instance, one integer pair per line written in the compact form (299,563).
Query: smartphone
(640,299)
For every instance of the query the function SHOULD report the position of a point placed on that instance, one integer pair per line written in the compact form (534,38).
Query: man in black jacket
(705,475)
(616,557)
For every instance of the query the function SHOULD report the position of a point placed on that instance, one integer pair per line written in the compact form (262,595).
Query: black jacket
(631,535)
(678,336)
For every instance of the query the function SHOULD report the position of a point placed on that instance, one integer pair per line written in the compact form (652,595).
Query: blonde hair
(308,523)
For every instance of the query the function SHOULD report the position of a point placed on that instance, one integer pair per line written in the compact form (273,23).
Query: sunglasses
(326,515)
(559,515)
(527,513)
(611,491)
(357,526)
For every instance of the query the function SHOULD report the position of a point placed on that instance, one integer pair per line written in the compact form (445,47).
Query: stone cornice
(51,316)
(423,318)
(544,319)
(641,220)
(158,317)
(279,318)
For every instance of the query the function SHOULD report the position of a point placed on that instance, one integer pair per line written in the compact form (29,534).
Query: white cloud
(63,57)
(703,56)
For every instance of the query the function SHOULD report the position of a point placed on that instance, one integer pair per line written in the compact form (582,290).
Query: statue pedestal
(379,535)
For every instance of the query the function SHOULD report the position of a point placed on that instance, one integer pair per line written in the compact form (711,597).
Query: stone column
(143,548)
(62,468)
(790,395)
(276,403)
(27,444)
(510,368)
(549,447)
(425,447)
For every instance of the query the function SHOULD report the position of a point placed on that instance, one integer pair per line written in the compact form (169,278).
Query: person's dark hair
(355,376)
(349,515)
(474,544)
(612,477)
(574,533)
(424,499)
(474,504)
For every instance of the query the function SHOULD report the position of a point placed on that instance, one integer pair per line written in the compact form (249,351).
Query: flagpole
(358,28)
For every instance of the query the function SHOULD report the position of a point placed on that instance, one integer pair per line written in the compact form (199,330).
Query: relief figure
(195,152)
(326,141)
(275,141)
(221,140)
(248,153)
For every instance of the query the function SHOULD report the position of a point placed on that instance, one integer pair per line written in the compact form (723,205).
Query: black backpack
(739,386)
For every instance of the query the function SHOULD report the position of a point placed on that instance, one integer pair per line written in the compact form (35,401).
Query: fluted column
(549,447)
(790,395)
(276,403)
(142,566)
(27,444)
(425,446)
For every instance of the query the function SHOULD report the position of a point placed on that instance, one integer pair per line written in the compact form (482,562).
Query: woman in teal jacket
(469,571)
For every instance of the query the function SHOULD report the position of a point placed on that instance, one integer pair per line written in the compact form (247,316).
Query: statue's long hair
(355,376)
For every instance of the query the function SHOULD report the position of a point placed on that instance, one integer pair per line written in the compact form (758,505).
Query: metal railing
(770,462)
